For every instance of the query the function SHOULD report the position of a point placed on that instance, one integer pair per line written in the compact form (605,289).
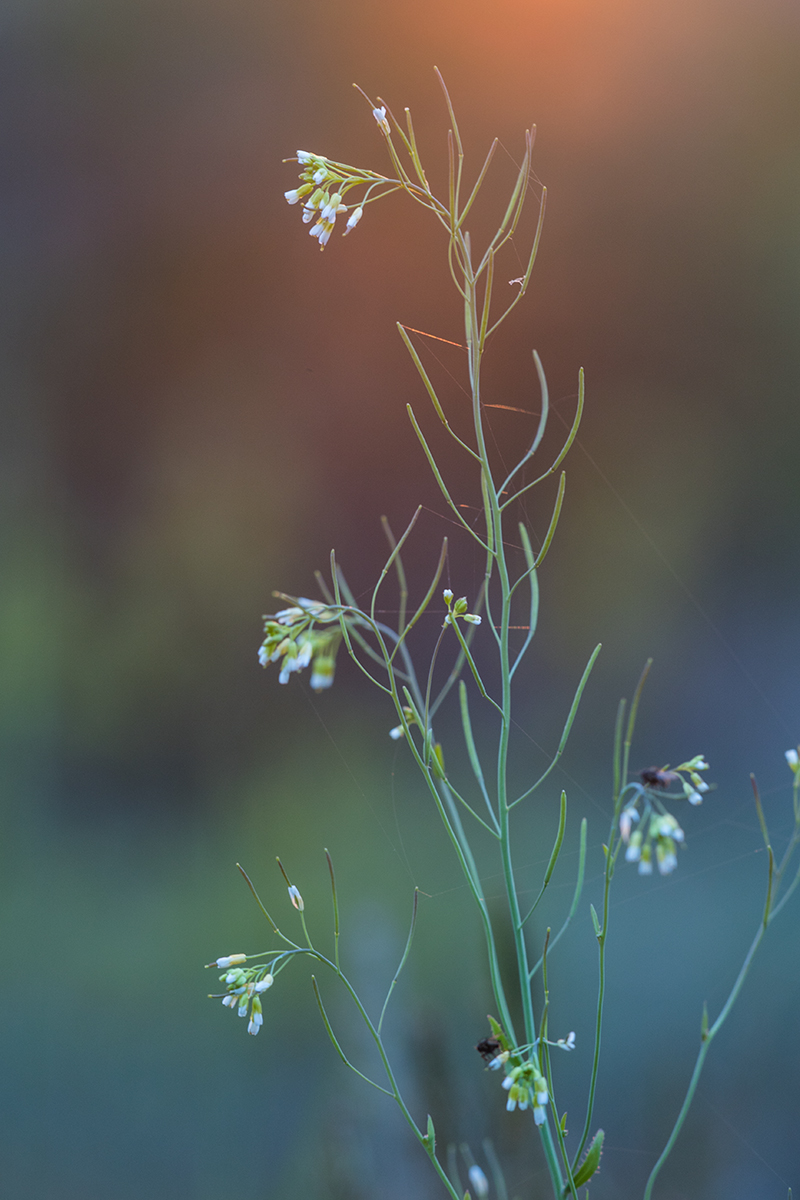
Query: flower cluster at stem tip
(244,988)
(292,639)
(459,609)
(659,833)
(524,1081)
(325,183)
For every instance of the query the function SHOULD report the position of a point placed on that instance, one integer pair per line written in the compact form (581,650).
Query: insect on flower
(489,1048)
(656,778)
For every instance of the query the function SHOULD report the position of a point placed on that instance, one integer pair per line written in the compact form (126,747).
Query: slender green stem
(497,558)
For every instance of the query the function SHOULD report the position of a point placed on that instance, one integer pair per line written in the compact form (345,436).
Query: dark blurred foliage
(198,405)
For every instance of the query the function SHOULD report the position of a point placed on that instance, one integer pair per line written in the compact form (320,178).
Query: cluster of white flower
(325,183)
(292,639)
(526,1085)
(659,829)
(244,988)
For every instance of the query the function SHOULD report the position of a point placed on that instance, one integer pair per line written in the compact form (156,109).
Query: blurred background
(198,405)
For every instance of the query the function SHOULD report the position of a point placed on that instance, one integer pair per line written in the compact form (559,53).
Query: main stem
(494,522)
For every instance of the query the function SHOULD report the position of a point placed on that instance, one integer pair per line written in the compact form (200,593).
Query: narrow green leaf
(595,921)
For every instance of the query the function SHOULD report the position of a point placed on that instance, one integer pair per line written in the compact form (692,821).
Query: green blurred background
(198,405)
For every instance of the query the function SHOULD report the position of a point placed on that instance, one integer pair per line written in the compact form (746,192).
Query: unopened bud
(230,960)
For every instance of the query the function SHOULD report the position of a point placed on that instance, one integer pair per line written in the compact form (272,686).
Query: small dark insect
(656,778)
(489,1049)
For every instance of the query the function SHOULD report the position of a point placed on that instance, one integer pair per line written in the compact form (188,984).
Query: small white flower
(396,733)
(498,1061)
(478,1182)
(312,607)
(567,1043)
(255,1023)
(322,673)
(229,1001)
(354,218)
(645,866)
(694,797)
(539,1115)
(322,230)
(292,196)
(321,175)
(626,818)
(290,616)
(264,983)
(263,656)
(634,851)
(380,116)
(303,156)
(667,861)
(333,206)
(792,759)
(296,898)
(473,618)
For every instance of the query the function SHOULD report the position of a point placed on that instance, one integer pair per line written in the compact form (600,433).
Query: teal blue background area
(197,405)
